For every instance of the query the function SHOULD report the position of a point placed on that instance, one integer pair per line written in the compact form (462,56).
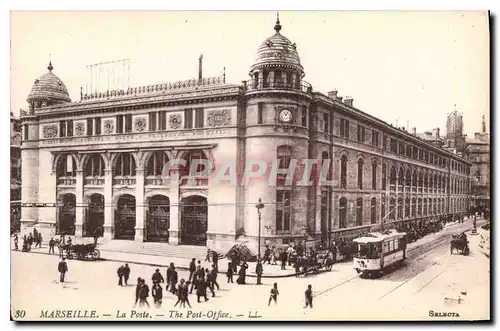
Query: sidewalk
(270,271)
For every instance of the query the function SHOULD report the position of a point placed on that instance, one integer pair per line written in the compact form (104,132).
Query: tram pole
(259,206)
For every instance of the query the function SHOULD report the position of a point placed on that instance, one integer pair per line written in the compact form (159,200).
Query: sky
(407,68)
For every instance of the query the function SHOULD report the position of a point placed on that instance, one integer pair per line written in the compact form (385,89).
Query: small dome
(277,51)
(49,87)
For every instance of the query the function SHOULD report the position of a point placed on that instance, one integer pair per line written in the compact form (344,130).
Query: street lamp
(259,206)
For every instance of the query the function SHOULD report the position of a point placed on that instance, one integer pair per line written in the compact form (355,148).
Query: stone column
(317,225)
(173,231)
(80,208)
(108,204)
(139,205)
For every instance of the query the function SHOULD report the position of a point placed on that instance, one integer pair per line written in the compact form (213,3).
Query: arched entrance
(94,216)
(194,216)
(125,218)
(67,212)
(158,218)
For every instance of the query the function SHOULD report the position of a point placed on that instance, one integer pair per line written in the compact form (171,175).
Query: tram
(379,250)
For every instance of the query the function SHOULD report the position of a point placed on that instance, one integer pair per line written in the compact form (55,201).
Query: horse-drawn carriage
(313,263)
(81,251)
(460,243)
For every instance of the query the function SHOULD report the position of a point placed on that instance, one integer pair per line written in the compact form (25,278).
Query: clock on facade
(285,115)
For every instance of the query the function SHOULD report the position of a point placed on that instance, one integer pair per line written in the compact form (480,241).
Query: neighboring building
(478,152)
(455,137)
(15,173)
(102,159)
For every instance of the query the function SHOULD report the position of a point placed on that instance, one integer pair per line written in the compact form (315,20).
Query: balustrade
(124,180)
(68,181)
(157,180)
(98,181)
(196,181)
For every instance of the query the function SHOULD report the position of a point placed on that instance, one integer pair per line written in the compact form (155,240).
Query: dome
(49,87)
(277,51)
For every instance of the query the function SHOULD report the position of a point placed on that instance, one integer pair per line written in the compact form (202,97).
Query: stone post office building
(101,160)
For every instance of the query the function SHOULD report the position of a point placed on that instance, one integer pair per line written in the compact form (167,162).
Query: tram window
(396,244)
(386,247)
(391,246)
(363,250)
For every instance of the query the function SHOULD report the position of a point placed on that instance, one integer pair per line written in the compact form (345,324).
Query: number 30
(20,314)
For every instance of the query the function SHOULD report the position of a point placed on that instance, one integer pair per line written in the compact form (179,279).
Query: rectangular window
(283,214)
(375,138)
(69,128)
(128,123)
(25,132)
(152,121)
(188,119)
(361,134)
(304,116)
(199,112)
(97,122)
(326,123)
(162,120)
(90,126)
(344,128)
(62,129)
(384,142)
(119,123)
(260,113)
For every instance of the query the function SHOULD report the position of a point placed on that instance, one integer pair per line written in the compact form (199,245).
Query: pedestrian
(157,277)
(207,257)
(192,268)
(180,292)
(70,242)
(297,266)
(60,248)
(267,255)
(25,244)
(144,294)
(242,273)
(229,272)
(51,245)
(215,259)
(169,275)
(138,291)
(283,260)
(309,297)
(126,273)
(215,272)
(97,234)
(274,295)
(236,262)
(39,240)
(30,241)
(259,270)
(16,242)
(35,233)
(201,289)
(209,282)
(120,272)
(173,280)
(63,269)
(157,293)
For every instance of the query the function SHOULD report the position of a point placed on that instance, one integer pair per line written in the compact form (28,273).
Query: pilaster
(173,231)
(139,205)
(79,210)
(108,204)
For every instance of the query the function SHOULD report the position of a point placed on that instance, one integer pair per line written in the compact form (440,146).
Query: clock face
(285,115)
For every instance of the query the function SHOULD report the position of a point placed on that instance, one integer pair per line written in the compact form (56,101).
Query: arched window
(392,209)
(392,179)
(431,183)
(425,207)
(360,174)
(419,207)
(197,158)
(420,181)
(125,165)
(400,208)
(407,207)
(426,178)
(431,211)
(283,210)
(384,177)
(325,158)
(373,214)
(66,166)
(413,207)
(156,162)
(374,175)
(435,184)
(408,180)
(343,171)
(401,180)
(359,211)
(414,182)
(94,166)
(342,213)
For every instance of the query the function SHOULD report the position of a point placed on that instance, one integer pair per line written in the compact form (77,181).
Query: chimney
(340,98)
(200,67)
(414,131)
(348,101)
(333,94)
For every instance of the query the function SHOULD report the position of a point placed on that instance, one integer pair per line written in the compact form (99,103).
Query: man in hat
(63,269)
(126,273)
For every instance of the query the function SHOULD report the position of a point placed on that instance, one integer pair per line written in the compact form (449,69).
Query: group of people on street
(28,241)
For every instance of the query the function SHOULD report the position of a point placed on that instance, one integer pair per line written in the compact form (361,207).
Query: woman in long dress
(242,273)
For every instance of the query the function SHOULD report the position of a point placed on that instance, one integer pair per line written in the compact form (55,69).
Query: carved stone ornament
(140,124)
(109,126)
(79,129)
(218,118)
(175,121)
(50,131)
